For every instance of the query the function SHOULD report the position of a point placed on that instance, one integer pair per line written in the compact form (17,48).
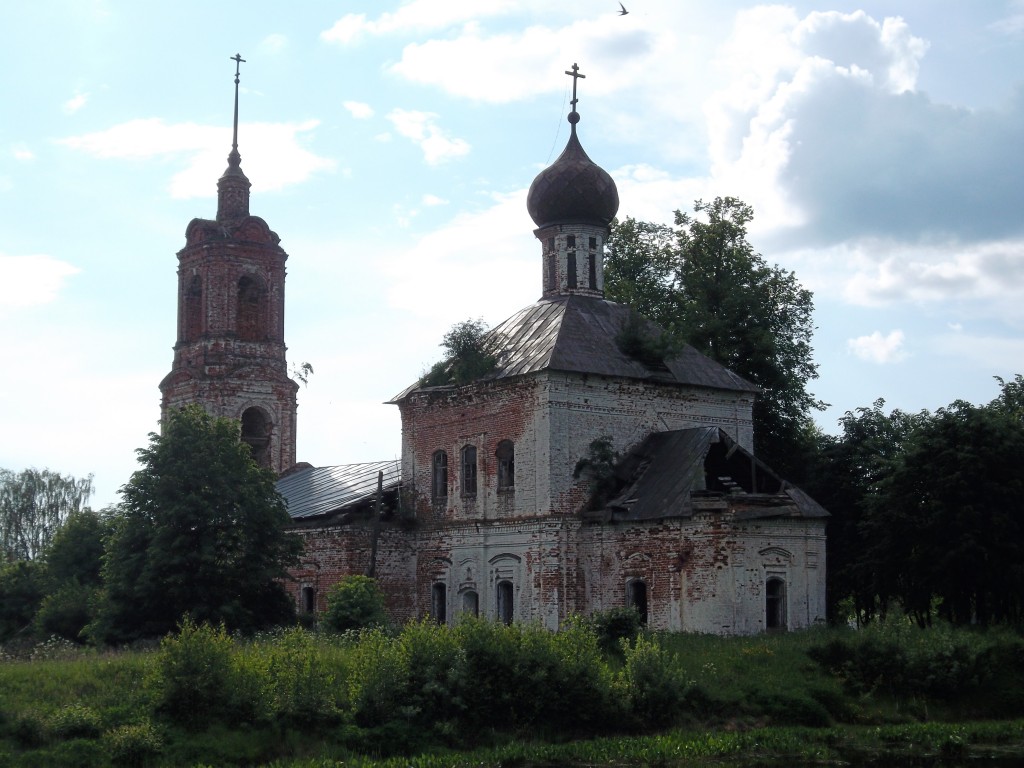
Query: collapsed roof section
(664,475)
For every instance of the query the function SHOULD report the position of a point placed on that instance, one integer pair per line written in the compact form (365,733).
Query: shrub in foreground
(355,602)
(193,680)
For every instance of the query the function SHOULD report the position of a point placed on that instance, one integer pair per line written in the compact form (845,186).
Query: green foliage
(645,342)
(201,531)
(66,611)
(33,506)
(598,467)
(614,625)
(194,675)
(296,686)
(134,745)
(74,721)
(653,683)
(354,602)
(22,588)
(705,285)
(75,552)
(468,356)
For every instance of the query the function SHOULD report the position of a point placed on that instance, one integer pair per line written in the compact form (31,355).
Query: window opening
(570,241)
(571,269)
(251,321)
(470,603)
(636,597)
(439,603)
(775,604)
(469,470)
(505,602)
(256,434)
(506,455)
(439,476)
(308,599)
(194,309)
(592,271)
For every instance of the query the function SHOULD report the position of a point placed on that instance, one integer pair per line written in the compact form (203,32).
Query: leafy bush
(614,625)
(300,688)
(133,746)
(378,679)
(355,602)
(194,675)
(653,683)
(66,612)
(74,721)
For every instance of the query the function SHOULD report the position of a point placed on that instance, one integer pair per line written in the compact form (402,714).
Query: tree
(708,288)
(355,602)
(951,517)
(468,356)
(22,588)
(201,532)
(76,551)
(846,474)
(33,506)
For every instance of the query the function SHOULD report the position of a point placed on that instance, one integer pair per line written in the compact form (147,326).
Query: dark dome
(573,189)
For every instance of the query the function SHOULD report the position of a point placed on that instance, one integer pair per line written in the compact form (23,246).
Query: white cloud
(273,155)
(23,153)
(422,129)
(877,348)
(75,103)
(358,109)
(415,16)
(274,43)
(27,281)
(433,200)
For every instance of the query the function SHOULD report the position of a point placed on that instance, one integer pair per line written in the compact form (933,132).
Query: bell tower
(229,355)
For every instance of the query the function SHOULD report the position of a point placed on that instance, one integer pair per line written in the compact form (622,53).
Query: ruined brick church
(488,511)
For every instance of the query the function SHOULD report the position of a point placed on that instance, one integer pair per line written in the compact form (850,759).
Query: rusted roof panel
(578,334)
(322,490)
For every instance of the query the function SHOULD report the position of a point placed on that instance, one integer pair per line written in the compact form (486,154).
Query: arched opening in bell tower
(251,317)
(256,428)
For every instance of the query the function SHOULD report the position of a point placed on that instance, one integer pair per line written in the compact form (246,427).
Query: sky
(391,145)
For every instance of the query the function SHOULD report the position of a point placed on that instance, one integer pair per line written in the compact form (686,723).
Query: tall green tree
(950,518)
(703,282)
(201,531)
(34,504)
(846,474)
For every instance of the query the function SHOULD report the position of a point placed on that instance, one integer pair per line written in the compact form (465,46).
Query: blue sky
(390,145)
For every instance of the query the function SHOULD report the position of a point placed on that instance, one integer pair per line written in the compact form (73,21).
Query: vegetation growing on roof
(639,340)
(469,355)
(598,467)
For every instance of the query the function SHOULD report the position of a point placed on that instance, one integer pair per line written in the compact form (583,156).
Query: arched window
(439,603)
(193,326)
(251,317)
(470,602)
(775,604)
(505,610)
(506,455)
(256,429)
(308,599)
(636,597)
(469,470)
(439,476)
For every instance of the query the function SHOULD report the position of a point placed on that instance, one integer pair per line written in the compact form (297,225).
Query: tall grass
(300,696)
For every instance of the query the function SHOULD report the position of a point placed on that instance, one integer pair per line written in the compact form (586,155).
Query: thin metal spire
(237,58)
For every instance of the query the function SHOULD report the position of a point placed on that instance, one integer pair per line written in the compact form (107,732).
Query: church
(575,475)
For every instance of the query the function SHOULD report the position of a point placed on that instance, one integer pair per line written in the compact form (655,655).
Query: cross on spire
(575,75)
(237,58)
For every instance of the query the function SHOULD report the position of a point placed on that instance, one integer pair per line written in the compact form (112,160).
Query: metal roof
(578,334)
(318,491)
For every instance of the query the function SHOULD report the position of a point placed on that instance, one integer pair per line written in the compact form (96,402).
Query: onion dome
(573,189)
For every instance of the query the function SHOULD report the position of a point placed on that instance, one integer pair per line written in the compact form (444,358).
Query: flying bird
(623,12)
